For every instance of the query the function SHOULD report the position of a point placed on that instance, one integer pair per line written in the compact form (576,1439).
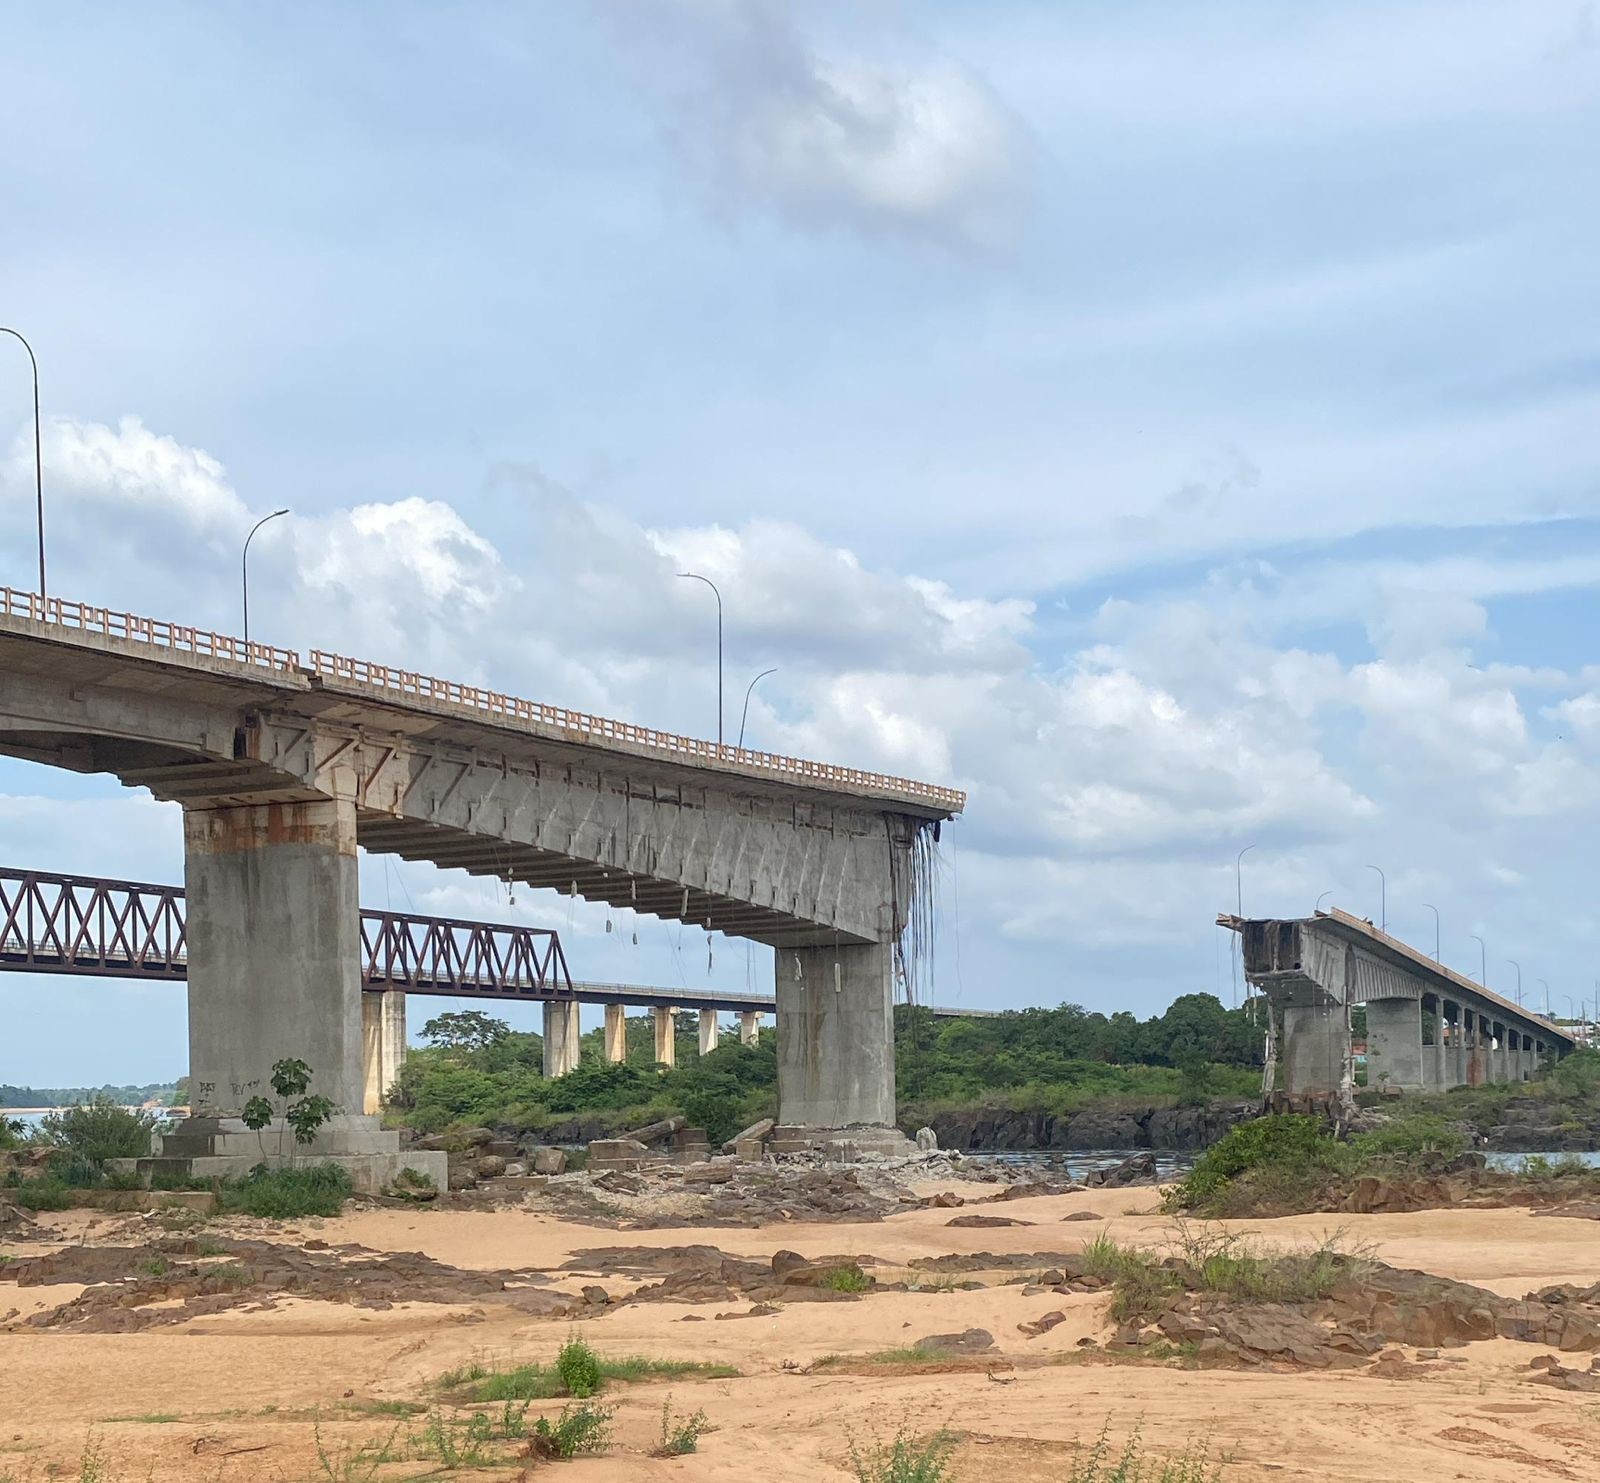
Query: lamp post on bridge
(1238,903)
(1435,910)
(744,715)
(244,574)
(1483,960)
(38,456)
(1317,906)
(1383,899)
(1513,962)
(1546,984)
(695,576)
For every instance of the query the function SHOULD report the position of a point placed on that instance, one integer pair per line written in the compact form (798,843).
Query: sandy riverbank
(243,1387)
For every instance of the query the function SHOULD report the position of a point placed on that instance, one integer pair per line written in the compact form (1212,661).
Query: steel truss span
(133,930)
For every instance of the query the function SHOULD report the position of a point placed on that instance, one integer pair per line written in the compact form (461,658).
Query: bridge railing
(411,685)
(87,618)
(584,727)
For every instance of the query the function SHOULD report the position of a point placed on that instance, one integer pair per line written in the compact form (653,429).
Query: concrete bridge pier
(1314,1045)
(1394,1044)
(562,1049)
(383,1045)
(274,953)
(835,1011)
(616,1033)
(708,1031)
(749,1027)
(666,1035)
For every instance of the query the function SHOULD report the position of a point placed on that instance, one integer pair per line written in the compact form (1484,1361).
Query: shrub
(579,1368)
(682,1435)
(848,1279)
(100,1129)
(578,1429)
(285,1194)
(905,1458)
(1411,1136)
(43,1194)
(1288,1156)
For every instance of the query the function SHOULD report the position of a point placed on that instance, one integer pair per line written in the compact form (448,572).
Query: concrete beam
(708,1031)
(749,1027)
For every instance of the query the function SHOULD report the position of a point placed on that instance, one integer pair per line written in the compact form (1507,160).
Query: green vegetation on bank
(477,1070)
(166,1093)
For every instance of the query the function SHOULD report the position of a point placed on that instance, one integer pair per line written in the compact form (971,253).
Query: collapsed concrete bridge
(283,768)
(1428,1027)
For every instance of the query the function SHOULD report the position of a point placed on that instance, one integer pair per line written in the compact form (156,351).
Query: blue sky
(1173,423)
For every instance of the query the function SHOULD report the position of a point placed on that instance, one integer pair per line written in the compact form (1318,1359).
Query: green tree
(465,1030)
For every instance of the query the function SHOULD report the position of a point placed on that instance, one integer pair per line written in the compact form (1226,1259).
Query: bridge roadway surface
(284,768)
(90,926)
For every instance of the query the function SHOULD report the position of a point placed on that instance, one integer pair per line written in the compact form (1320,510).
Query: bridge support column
(383,1045)
(1394,1044)
(836,1039)
(274,944)
(616,1033)
(666,1035)
(561,1030)
(1315,1040)
(1525,1059)
(1458,1048)
(708,1031)
(1477,1051)
(749,1027)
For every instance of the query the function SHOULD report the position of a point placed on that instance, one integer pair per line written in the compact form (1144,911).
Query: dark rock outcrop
(1003,1129)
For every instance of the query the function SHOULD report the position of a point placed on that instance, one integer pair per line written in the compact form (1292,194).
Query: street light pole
(1546,984)
(744,715)
(38,456)
(1318,906)
(1383,899)
(1435,910)
(1483,960)
(1513,962)
(244,574)
(1238,879)
(695,576)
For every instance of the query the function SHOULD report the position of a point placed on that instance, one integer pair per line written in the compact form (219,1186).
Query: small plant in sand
(905,1458)
(680,1435)
(303,1112)
(580,1428)
(1101,1463)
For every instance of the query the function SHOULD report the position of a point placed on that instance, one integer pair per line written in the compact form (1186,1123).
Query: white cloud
(828,134)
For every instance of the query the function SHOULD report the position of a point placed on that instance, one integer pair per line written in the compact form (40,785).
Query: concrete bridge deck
(283,768)
(1429,1028)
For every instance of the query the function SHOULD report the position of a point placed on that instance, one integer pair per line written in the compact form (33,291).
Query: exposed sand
(1481,1420)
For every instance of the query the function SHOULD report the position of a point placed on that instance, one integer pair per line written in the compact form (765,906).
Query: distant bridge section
(1428,1027)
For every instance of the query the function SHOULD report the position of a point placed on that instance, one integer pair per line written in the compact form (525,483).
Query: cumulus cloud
(827,133)
(1113,769)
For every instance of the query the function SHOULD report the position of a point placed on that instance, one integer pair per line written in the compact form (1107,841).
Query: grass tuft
(680,1435)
